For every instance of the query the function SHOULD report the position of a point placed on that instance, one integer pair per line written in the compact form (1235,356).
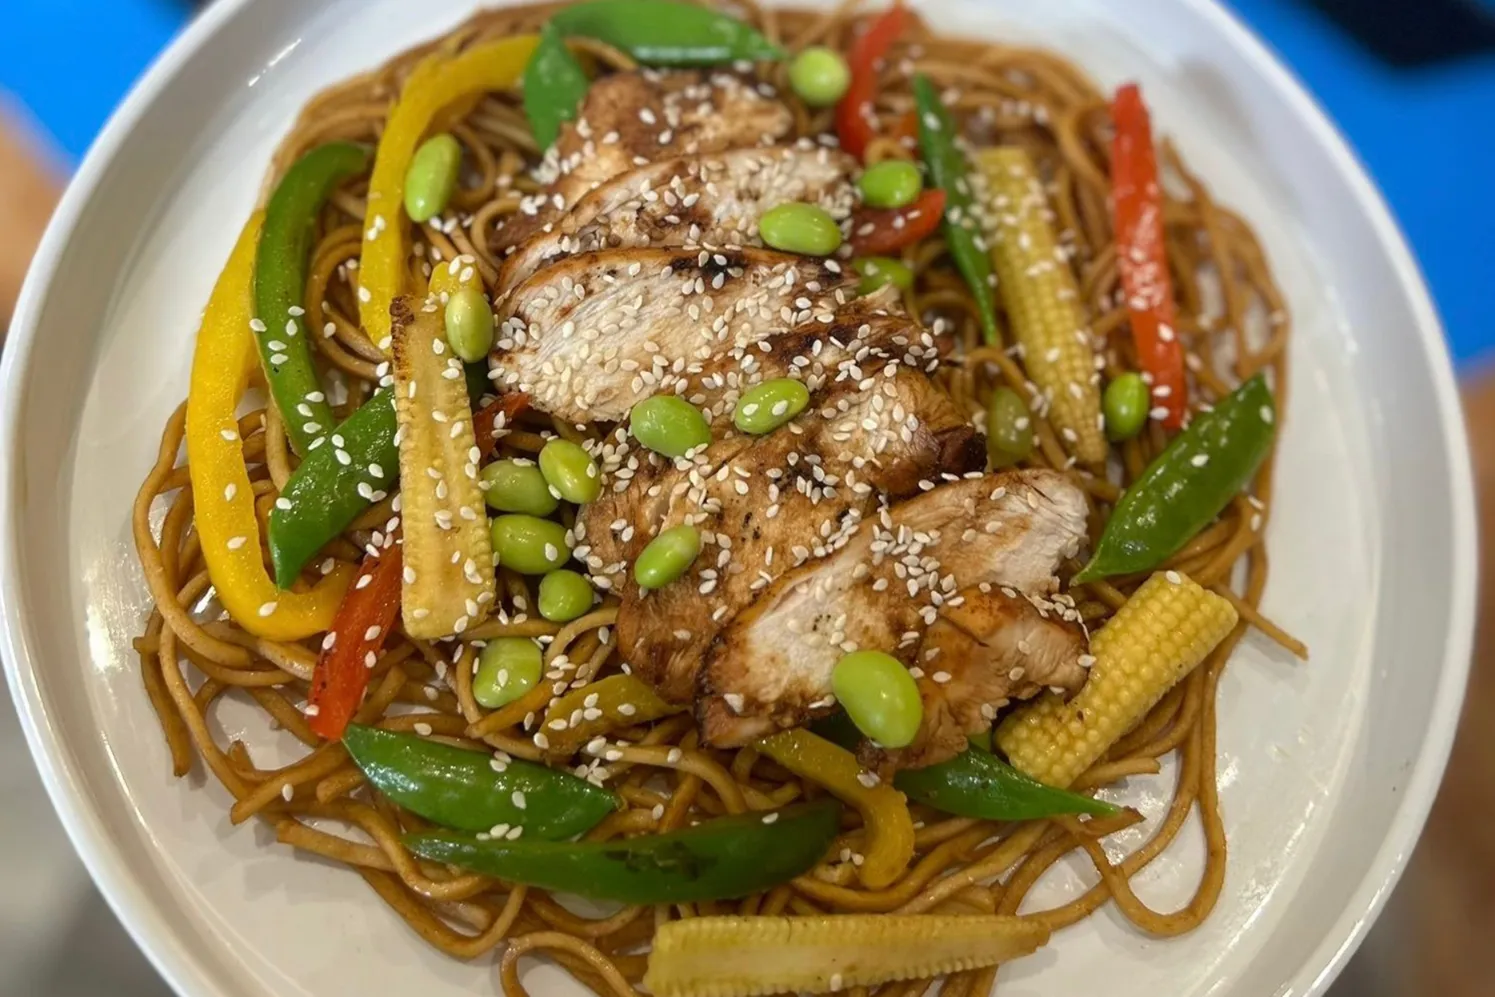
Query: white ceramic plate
(1327,769)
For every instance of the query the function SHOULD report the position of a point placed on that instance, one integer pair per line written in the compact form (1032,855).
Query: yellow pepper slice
(890,829)
(600,707)
(437,82)
(222,498)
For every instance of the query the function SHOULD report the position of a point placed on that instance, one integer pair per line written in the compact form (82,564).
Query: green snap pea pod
(554,85)
(1189,483)
(716,860)
(666,32)
(355,467)
(949,171)
(474,790)
(280,287)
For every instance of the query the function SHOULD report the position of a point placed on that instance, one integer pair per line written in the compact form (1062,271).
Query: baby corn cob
(749,956)
(449,578)
(1043,306)
(1154,640)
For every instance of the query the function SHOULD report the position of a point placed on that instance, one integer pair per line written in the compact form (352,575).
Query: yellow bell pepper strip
(222,497)
(890,829)
(600,707)
(439,80)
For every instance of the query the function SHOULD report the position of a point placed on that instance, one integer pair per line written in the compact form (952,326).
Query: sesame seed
(267,608)
(518,798)
(423,729)
(286,792)
(1174,577)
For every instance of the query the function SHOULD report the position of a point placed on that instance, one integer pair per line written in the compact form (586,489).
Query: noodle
(662,775)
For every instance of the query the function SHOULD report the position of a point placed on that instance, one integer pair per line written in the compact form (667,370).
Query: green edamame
(880,271)
(564,596)
(508,667)
(1125,404)
(432,177)
(667,557)
(669,425)
(767,406)
(819,76)
(528,544)
(571,471)
(797,227)
(517,486)
(879,695)
(469,324)
(892,183)
(1009,428)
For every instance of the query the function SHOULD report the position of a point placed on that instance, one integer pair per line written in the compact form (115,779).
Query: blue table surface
(1427,135)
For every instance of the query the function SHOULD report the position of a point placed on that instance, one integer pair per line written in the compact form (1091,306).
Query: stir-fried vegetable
(474,790)
(280,286)
(528,544)
(1189,483)
(667,557)
(599,707)
(564,596)
(438,81)
(351,648)
(856,118)
(666,32)
(880,697)
(889,828)
(796,227)
(449,582)
(883,231)
(892,183)
(819,76)
(222,497)
(1042,300)
(949,171)
(1125,406)
(1009,427)
(669,425)
(516,485)
(1157,637)
(880,271)
(570,471)
(554,85)
(770,404)
(716,860)
(1142,255)
(469,328)
(508,667)
(432,177)
(757,956)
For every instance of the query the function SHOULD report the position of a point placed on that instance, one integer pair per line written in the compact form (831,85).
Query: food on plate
(769,476)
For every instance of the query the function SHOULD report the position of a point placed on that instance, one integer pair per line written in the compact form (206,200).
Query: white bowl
(1327,768)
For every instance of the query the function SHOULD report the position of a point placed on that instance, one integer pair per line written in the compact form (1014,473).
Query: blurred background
(1412,84)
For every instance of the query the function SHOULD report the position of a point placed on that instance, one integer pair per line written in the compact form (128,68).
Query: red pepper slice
(855,120)
(1142,256)
(509,406)
(359,629)
(891,229)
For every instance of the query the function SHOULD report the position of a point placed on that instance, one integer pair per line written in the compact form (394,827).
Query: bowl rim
(184,969)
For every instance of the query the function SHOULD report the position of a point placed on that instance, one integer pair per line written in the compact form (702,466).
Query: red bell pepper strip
(358,632)
(509,406)
(1142,257)
(879,232)
(855,120)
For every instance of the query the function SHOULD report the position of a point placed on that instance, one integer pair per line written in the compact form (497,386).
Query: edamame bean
(564,596)
(571,471)
(528,544)
(469,324)
(819,76)
(879,271)
(892,183)
(1126,403)
(1009,428)
(879,695)
(508,667)
(797,227)
(517,486)
(432,177)
(669,425)
(667,557)
(767,406)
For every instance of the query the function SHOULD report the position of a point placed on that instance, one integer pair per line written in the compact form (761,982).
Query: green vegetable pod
(554,86)
(880,697)
(1188,485)
(770,404)
(571,471)
(515,485)
(508,667)
(565,596)
(667,557)
(977,783)
(1125,404)
(800,228)
(880,271)
(669,425)
(819,76)
(716,860)
(474,790)
(666,32)
(431,179)
(892,183)
(1009,428)
(469,326)
(528,544)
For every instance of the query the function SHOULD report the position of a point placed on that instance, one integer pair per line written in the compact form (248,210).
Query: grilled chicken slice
(629,119)
(771,667)
(712,200)
(764,507)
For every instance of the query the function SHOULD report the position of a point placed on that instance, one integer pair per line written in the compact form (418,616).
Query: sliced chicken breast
(710,200)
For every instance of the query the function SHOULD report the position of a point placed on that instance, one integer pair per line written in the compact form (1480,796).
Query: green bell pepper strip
(335,483)
(666,32)
(554,85)
(280,287)
(1189,483)
(717,860)
(949,171)
(473,790)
